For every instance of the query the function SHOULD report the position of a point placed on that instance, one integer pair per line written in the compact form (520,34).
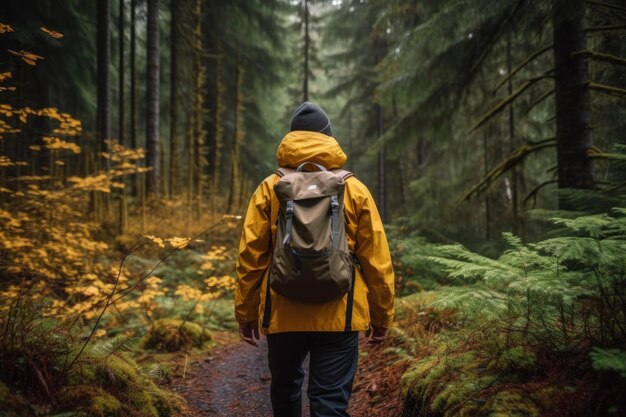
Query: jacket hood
(301,146)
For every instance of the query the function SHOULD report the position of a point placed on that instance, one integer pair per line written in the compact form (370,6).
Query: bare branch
(523,64)
(598,56)
(533,193)
(514,158)
(608,28)
(504,103)
(609,89)
(607,5)
(539,100)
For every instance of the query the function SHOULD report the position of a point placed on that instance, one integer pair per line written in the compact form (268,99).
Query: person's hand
(376,335)
(249,332)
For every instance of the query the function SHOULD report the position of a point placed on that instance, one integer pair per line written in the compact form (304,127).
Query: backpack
(311,261)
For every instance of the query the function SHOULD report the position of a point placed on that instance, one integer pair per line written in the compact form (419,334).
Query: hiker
(313,295)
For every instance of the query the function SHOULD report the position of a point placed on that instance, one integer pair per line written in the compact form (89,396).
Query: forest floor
(234,380)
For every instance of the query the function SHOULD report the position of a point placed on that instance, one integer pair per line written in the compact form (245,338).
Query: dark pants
(332,366)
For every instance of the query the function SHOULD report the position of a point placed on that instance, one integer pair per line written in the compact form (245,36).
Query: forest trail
(234,381)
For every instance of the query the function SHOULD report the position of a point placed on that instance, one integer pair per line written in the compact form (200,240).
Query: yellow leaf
(27,57)
(4,28)
(157,240)
(52,33)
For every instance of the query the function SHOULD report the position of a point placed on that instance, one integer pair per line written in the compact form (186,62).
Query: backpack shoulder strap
(343,173)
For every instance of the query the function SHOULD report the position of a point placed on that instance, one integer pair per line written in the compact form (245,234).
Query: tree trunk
(103,117)
(572,98)
(485,171)
(305,87)
(133,100)
(199,133)
(104,58)
(153,156)
(219,130)
(382,176)
(512,144)
(233,200)
(174,139)
(123,212)
(121,74)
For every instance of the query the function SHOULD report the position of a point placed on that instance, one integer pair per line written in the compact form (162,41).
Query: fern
(553,291)
(609,360)
(108,347)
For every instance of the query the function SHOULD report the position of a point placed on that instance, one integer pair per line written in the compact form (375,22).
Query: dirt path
(234,381)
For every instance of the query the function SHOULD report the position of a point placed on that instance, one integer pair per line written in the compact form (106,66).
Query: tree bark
(121,113)
(174,139)
(133,99)
(153,156)
(572,98)
(233,200)
(512,141)
(198,149)
(219,130)
(305,87)
(104,58)
(382,175)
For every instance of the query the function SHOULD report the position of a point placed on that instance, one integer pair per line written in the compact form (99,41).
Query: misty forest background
(491,134)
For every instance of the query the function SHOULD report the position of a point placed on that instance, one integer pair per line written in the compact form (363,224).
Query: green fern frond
(609,360)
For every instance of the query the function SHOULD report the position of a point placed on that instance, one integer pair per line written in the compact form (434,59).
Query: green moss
(89,400)
(171,335)
(137,392)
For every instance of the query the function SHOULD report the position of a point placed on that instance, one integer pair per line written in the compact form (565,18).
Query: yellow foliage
(188,293)
(178,242)
(4,28)
(156,240)
(67,125)
(52,33)
(27,57)
(54,143)
(225,282)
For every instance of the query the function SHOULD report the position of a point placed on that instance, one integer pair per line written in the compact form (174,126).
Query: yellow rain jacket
(374,282)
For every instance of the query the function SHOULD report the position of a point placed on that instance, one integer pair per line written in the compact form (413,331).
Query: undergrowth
(41,372)
(538,331)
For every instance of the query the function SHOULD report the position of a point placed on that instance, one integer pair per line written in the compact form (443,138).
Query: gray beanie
(312,118)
